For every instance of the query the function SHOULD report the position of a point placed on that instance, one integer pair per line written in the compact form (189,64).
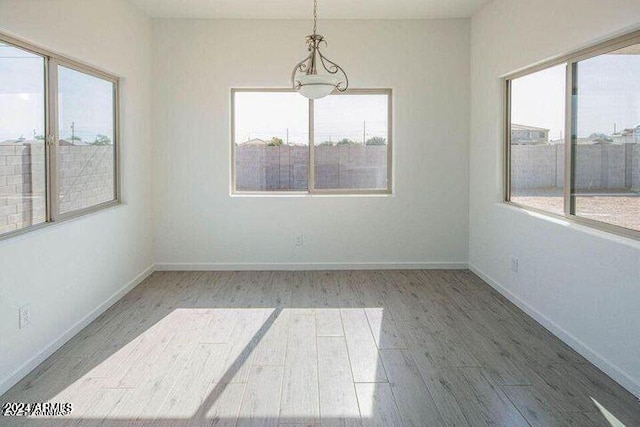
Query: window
(351,134)
(22,129)
(606,155)
(86,126)
(58,138)
(537,143)
(594,97)
(283,142)
(271,141)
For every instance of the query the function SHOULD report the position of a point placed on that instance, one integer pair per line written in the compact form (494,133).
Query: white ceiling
(302,9)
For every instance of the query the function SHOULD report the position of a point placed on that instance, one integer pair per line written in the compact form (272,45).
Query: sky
(21,94)
(22,99)
(90,115)
(608,96)
(266,115)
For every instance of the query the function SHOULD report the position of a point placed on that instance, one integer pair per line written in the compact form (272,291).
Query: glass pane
(271,141)
(537,140)
(22,156)
(606,148)
(351,142)
(86,150)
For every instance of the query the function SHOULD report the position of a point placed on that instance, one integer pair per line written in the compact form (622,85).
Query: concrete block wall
(598,167)
(534,166)
(22,186)
(351,166)
(635,168)
(86,179)
(601,167)
(260,168)
(86,173)
(86,176)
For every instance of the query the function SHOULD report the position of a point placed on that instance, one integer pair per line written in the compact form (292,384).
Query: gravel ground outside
(622,210)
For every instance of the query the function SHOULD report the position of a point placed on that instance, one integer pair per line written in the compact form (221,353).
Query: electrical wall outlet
(299,240)
(24,316)
(514,264)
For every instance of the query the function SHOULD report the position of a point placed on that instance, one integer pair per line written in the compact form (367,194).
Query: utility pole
(364,133)
(287,136)
(73,132)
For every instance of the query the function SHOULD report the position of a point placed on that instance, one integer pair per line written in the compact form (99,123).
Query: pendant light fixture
(316,76)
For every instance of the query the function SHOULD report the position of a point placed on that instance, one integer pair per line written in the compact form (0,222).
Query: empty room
(320,213)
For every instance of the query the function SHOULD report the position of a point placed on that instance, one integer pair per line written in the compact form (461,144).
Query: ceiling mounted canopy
(316,76)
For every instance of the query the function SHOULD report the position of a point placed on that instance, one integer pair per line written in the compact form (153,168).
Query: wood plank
(377,406)
(384,330)
(444,385)
(338,401)
(104,403)
(416,405)
(220,328)
(302,293)
(434,350)
(468,392)
(220,406)
(261,401)
(492,350)
(329,322)
(600,390)
(246,334)
(540,412)
(281,289)
(363,353)
(189,391)
(182,347)
(272,348)
(160,376)
(484,402)
(300,401)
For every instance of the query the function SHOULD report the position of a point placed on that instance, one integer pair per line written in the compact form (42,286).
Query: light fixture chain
(315,16)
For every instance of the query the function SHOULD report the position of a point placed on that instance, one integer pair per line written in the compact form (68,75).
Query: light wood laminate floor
(366,348)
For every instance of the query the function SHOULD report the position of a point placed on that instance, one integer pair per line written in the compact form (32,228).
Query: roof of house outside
(525,127)
(254,141)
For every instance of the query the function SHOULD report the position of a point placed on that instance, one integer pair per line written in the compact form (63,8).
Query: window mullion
(53,135)
(569,139)
(507,139)
(311,179)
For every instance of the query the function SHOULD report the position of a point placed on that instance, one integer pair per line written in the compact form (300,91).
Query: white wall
(199,225)
(583,285)
(68,270)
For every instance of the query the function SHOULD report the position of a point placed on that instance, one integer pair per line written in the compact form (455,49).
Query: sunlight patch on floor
(209,363)
(611,419)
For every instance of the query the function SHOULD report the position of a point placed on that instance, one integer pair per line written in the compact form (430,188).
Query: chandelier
(316,76)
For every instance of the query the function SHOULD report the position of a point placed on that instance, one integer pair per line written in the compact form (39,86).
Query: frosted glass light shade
(316,86)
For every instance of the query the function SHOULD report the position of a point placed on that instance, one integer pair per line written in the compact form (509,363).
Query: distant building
(20,142)
(254,141)
(523,135)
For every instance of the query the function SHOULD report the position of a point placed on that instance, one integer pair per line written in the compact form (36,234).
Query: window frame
(570,60)
(312,191)
(51,144)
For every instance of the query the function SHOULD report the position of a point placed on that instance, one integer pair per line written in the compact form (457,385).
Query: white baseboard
(617,374)
(32,363)
(278,266)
